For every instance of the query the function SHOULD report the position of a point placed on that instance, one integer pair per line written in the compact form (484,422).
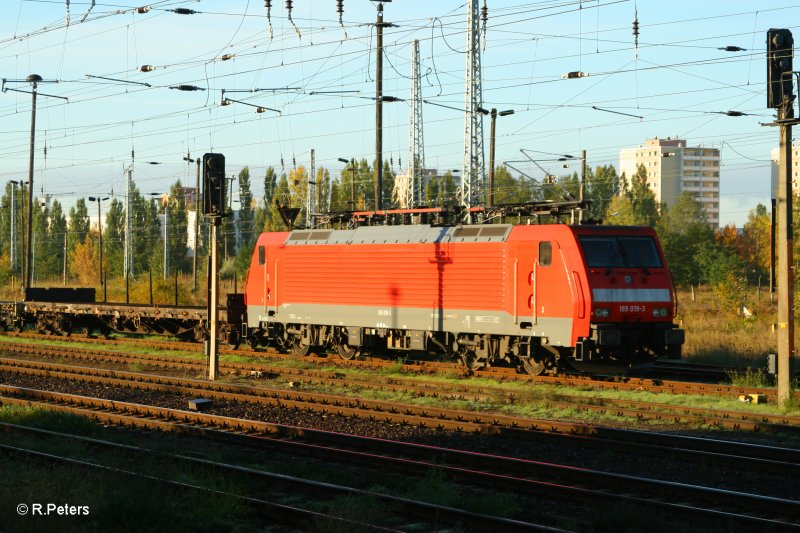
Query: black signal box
(214,185)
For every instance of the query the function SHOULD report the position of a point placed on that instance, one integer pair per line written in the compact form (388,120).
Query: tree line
(696,252)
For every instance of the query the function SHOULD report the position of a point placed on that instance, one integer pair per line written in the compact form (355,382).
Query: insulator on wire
(340,10)
(289,16)
(636,35)
(268,5)
(484,18)
(86,15)
(67,14)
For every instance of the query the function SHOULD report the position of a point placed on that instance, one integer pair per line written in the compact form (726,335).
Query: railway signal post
(780,96)
(214,209)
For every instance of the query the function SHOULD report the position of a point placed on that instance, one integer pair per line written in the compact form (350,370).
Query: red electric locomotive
(539,296)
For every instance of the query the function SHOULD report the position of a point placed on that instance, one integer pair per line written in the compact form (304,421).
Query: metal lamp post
(494,114)
(33,79)
(352,163)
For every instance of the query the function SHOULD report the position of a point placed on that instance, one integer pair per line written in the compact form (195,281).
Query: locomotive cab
(631,299)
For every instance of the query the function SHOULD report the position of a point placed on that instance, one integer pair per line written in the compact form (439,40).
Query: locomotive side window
(545,253)
(262,256)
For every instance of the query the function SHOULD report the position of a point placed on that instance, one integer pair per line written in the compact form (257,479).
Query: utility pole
(780,95)
(128,224)
(13,243)
(379,25)
(196,227)
(34,79)
(472,166)
(64,273)
(100,232)
(166,237)
(582,190)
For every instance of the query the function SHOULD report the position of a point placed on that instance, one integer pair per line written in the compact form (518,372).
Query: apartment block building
(673,168)
(775,170)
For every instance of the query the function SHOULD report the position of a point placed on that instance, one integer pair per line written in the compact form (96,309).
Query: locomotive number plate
(632,309)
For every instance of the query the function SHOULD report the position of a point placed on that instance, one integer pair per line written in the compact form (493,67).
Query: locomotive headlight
(659,311)
(601,312)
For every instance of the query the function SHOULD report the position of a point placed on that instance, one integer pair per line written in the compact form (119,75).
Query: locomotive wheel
(19,326)
(347,352)
(470,361)
(254,340)
(233,339)
(532,367)
(296,346)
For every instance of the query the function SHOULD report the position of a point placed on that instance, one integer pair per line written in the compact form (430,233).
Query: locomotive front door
(541,263)
(264,275)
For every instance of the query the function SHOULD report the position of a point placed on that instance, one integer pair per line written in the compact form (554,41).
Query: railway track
(432,367)
(524,476)
(404,413)
(278,487)
(450,419)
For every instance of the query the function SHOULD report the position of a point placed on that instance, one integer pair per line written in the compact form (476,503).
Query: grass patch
(131,347)
(750,378)
(44,419)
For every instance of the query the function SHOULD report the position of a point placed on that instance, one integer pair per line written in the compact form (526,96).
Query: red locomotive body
(536,295)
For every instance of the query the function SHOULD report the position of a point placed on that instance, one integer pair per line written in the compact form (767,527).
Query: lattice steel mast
(311,190)
(472,167)
(416,143)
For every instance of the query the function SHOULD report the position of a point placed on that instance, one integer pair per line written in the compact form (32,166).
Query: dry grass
(717,334)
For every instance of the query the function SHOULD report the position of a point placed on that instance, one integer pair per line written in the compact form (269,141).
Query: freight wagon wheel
(532,366)
(347,352)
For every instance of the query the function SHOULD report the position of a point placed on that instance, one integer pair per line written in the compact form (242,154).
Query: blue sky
(677,80)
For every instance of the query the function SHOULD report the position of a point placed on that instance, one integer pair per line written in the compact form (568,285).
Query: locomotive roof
(407,234)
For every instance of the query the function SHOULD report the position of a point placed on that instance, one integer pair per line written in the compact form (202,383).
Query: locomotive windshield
(621,251)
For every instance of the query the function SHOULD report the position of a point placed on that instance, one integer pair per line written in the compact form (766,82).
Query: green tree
(274,221)
(177,229)
(323,190)
(643,199)
(78,226)
(58,238)
(601,186)
(510,190)
(684,233)
(756,234)
(114,239)
(636,206)
(20,195)
(246,211)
